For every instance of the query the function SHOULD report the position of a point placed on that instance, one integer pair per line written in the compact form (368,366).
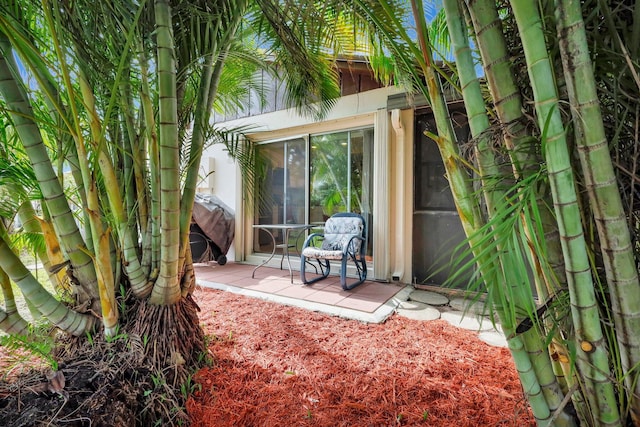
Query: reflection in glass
(340,176)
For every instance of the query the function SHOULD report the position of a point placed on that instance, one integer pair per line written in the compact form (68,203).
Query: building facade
(369,155)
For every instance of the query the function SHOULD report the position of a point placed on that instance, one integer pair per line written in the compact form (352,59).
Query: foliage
(551,199)
(38,343)
(106,110)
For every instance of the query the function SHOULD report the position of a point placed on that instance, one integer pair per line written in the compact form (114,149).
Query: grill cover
(216,220)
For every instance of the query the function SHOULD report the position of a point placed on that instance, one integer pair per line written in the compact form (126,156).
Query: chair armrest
(309,240)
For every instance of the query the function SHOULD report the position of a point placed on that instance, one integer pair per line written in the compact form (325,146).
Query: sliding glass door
(308,179)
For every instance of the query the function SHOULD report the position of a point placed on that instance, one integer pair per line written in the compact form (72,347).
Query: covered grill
(212,229)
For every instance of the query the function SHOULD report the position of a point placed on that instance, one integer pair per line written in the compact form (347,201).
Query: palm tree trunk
(132,267)
(61,216)
(473,102)
(167,288)
(59,314)
(508,105)
(471,219)
(60,115)
(195,153)
(49,254)
(490,176)
(101,252)
(592,358)
(129,141)
(151,257)
(209,81)
(499,74)
(10,320)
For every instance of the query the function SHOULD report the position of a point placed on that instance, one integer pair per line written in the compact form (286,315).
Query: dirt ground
(275,365)
(283,366)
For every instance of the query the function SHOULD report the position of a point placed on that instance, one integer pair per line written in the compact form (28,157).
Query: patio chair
(344,238)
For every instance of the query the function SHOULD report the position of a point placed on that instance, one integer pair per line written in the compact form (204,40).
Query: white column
(400,199)
(381,196)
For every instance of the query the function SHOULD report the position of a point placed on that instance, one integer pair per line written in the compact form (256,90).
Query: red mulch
(282,366)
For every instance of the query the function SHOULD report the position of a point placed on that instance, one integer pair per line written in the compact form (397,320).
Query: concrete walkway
(426,305)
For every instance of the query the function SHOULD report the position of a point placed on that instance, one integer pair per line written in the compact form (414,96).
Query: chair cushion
(339,230)
(311,252)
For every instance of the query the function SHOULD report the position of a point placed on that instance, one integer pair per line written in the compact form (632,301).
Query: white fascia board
(346,110)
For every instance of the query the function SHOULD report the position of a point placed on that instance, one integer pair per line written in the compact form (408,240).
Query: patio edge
(378,316)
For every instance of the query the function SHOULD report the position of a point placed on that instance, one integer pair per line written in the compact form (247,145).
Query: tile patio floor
(370,302)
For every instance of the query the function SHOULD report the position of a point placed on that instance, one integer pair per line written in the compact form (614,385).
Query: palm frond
(506,238)
(290,36)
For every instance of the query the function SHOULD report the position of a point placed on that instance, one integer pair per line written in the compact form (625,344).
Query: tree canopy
(106,108)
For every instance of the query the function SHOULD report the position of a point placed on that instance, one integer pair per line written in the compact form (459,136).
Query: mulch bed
(275,365)
(282,366)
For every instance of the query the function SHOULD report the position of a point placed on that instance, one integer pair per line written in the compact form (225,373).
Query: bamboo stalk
(471,220)
(59,314)
(10,320)
(490,175)
(592,359)
(70,238)
(601,183)
(166,290)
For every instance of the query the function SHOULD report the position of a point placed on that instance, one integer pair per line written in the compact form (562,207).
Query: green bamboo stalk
(508,105)
(471,221)
(468,210)
(13,323)
(103,262)
(499,75)
(490,175)
(473,102)
(125,232)
(210,80)
(135,272)
(71,240)
(592,359)
(128,174)
(166,290)
(101,253)
(57,111)
(604,196)
(10,320)
(201,117)
(30,224)
(151,256)
(59,314)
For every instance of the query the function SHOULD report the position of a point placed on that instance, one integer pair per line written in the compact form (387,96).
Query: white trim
(337,125)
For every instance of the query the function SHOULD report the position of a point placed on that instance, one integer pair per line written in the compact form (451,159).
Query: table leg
(273,252)
(286,248)
(287,236)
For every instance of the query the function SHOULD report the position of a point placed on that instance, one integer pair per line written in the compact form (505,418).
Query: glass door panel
(282,189)
(329,175)
(341,175)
